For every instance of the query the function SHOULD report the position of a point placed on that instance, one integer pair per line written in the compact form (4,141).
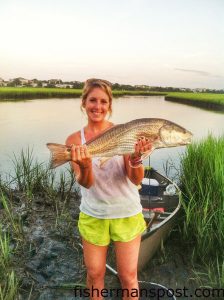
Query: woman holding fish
(110,206)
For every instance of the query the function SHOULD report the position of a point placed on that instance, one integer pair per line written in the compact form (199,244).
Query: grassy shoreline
(10,93)
(202,185)
(204,100)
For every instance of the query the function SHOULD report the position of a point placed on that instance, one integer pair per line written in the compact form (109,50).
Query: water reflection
(34,123)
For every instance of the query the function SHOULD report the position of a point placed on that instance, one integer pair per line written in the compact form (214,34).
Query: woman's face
(97,105)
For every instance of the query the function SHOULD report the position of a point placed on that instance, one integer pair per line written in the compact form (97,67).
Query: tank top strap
(83,139)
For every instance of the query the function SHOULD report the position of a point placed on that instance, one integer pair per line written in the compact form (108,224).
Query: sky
(177,43)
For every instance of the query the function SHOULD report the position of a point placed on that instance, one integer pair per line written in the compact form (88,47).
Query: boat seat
(152,201)
(148,215)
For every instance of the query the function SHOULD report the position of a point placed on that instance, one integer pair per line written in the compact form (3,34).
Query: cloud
(203,73)
(199,72)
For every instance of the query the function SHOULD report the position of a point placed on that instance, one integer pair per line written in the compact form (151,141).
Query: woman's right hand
(80,155)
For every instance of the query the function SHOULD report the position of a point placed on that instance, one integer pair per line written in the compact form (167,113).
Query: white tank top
(112,194)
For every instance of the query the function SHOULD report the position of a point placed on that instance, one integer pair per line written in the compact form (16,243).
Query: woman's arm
(133,163)
(134,174)
(81,161)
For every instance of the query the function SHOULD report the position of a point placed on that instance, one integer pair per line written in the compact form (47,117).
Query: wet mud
(49,264)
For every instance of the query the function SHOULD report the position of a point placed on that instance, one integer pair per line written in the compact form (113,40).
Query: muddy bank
(49,261)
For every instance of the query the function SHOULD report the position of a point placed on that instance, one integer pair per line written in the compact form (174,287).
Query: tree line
(55,83)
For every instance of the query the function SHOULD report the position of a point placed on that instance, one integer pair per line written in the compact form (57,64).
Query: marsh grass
(198,97)
(4,249)
(18,93)
(8,280)
(205,100)
(208,101)
(12,220)
(29,175)
(202,183)
(30,183)
(9,288)
(171,170)
(13,93)
(35,178)
(214,274)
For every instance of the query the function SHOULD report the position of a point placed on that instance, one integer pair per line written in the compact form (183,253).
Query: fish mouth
(188,138)
(187,141)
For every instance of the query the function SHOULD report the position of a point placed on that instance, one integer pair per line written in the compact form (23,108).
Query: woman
(110,206)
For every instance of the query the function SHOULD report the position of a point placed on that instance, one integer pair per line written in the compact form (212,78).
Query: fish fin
(60,154)
(147,153)
(103,160)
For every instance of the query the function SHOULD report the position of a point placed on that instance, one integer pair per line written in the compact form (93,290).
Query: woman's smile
(97,113)
(97,104)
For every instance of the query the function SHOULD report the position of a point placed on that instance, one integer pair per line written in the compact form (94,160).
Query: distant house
(33,82)
(198,90)
(23,80)
(55,81)
(64,85)
(142,86)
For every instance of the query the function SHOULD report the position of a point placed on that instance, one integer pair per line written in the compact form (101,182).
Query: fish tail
(60,154)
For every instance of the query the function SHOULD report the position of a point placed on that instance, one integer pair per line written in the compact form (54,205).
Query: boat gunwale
(168,218)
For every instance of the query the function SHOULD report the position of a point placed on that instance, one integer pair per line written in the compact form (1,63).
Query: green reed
(4,249)
(28,173)
(8,280)
(9,287)
(214,274)
(35,178)
(13,221)
(202,182)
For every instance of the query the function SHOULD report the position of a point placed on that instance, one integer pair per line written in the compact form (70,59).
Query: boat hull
(155,235)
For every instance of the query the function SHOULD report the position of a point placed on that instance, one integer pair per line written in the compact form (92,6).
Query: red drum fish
(120,139)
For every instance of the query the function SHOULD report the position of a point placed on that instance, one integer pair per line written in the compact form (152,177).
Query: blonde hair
(92,83)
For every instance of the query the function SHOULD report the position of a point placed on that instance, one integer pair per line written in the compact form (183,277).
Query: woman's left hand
(135,170)
(142,145)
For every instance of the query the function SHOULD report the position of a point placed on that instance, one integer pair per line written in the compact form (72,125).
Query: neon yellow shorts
(101,231)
